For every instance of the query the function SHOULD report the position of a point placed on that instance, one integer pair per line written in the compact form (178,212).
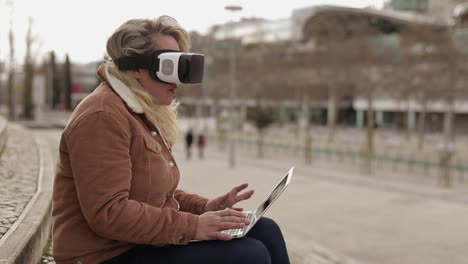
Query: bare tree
(453,62)
(28,69)
(56,91)
(11,75)
(424,49)
(262,117)
(68,83)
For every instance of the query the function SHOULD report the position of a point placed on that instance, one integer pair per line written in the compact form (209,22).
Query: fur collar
(124,92)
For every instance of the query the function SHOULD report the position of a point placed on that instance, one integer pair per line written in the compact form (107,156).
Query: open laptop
(254,216)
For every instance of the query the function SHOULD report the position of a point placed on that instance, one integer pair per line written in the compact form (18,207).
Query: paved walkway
(368,220)
(331,216)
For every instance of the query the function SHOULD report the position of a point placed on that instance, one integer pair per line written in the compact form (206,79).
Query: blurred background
(370,83)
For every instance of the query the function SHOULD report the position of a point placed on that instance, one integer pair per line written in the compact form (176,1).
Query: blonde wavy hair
(134,37)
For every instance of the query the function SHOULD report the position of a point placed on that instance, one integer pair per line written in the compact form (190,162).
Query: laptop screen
(273,195)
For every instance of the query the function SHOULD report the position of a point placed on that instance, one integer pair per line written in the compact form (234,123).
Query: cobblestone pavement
(19,168)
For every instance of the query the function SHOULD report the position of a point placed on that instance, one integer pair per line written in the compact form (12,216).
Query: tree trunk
(304,117)
(447,149)
(448,120)
(421,123)
(308,147)
(261,134)
(446,156)
(11,78)
(220,126)
(242,118)
(331,111)
(28,106)
(199,114)
(11,94)
(56,91)
(408,120)
(370,152)
(282,114)
(68,84)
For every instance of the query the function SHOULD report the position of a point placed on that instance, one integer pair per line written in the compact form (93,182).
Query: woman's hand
(210,224)
(229,199)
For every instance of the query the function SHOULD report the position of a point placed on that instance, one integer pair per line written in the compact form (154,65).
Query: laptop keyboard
(238,230)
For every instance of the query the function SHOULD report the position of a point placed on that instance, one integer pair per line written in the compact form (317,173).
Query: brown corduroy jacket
(116,183)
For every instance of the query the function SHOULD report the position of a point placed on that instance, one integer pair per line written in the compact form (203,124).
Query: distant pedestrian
(201,145)
(188,143)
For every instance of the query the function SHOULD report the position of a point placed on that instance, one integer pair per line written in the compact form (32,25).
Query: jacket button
(154,133)
(181,239)
(168,194)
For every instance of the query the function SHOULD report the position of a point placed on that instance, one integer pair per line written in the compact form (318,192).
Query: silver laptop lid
(279,188)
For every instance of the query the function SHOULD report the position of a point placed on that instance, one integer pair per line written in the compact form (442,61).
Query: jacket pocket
(153,146)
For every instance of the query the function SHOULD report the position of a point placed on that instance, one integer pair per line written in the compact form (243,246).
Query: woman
(115,194)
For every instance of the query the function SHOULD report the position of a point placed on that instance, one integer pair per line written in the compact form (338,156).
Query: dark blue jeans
(264,244)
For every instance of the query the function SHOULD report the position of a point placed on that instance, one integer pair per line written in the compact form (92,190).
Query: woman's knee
(269,224)
(267,231)
(253,252)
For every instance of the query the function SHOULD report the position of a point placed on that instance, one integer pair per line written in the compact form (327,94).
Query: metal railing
(397,161)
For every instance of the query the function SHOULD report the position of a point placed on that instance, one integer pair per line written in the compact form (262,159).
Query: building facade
(419,6)
(387,23)
(439,9)
(254,30)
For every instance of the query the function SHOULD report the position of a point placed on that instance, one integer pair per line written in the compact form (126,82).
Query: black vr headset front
(167,66)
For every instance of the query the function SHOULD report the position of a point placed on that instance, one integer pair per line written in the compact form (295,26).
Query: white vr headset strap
(169,67)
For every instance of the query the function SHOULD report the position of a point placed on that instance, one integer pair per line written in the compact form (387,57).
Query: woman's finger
(224,197)
(230,212)
(244,196)
(221,236)
(229,225)
(239,188)
(233,219)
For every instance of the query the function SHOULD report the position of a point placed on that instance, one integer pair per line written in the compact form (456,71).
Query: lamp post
(232,91)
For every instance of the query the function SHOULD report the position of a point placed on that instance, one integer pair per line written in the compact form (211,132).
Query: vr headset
(167,66)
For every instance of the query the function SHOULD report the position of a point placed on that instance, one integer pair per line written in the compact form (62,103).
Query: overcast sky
(81,27)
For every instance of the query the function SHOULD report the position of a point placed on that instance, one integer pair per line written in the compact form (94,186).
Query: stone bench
(26,221)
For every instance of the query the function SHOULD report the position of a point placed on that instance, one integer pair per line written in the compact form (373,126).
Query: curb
(26,239)
(3,133)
